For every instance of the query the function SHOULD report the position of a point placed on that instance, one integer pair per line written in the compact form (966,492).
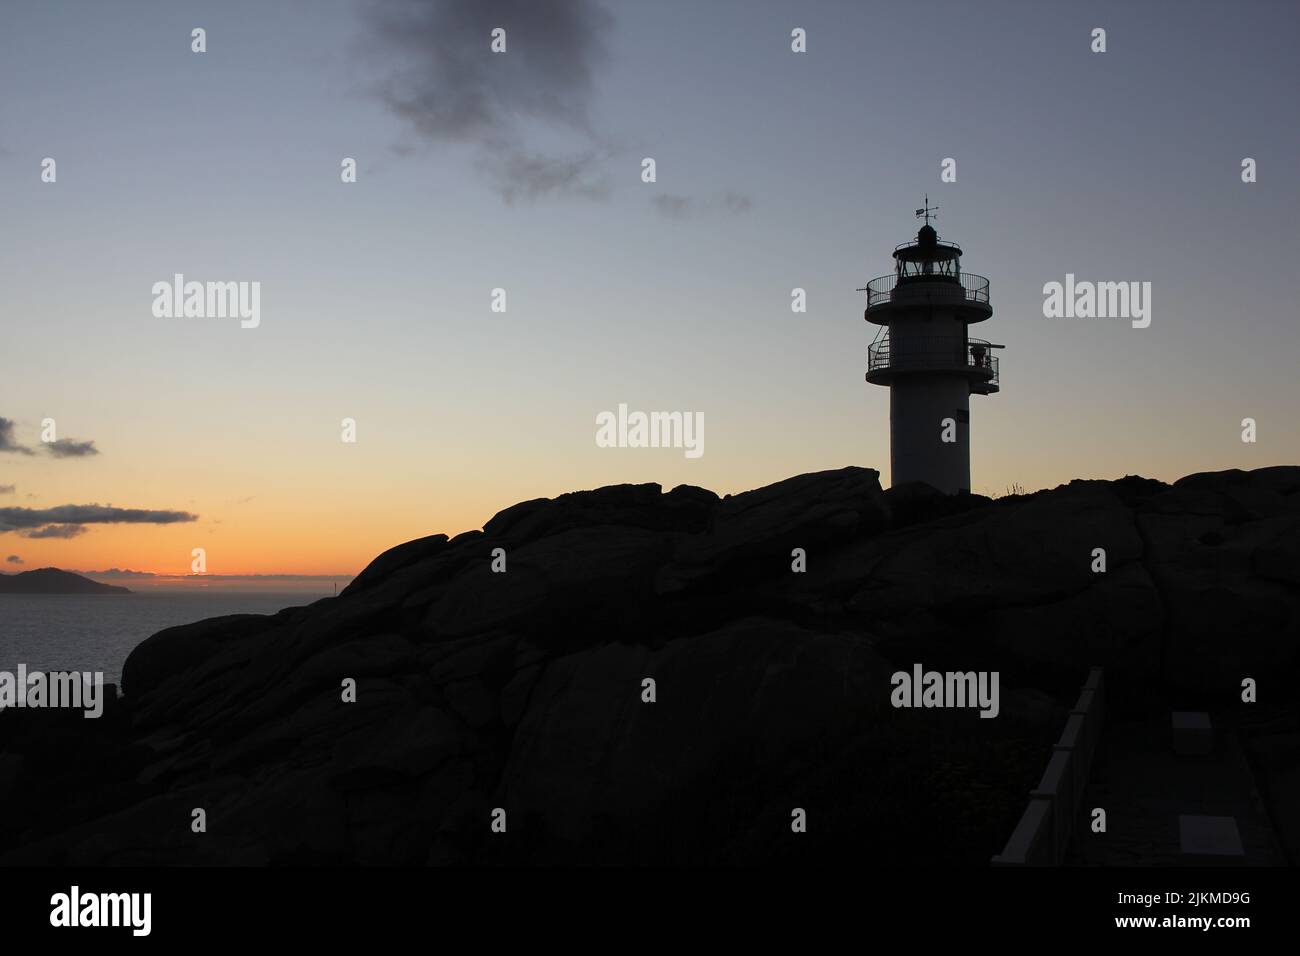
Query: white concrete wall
(918,404)
(1056,805)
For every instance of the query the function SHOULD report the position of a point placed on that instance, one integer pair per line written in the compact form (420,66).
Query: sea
(96,632)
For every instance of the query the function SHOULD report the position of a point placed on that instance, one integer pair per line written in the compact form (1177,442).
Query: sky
(522,171)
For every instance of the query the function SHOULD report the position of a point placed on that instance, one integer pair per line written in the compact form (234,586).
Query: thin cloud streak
(26,519)
(56,531)
(68,448)
(676,206)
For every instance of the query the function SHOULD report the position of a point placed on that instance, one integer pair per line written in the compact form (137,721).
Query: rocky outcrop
(528,690)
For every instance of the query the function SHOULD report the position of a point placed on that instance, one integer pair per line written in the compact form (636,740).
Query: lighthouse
(924,354)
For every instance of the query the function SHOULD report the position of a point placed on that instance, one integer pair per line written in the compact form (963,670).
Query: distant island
(54,581)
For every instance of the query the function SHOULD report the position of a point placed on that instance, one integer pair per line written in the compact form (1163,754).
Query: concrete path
(1145,787)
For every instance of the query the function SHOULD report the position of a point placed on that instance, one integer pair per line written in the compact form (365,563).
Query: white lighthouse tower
(926,357)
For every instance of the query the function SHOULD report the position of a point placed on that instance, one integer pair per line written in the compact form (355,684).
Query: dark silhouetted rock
(524,690)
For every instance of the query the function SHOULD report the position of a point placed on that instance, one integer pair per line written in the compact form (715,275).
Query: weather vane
(927,210)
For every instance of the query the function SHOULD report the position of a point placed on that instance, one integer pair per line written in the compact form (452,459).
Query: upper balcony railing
(974,288)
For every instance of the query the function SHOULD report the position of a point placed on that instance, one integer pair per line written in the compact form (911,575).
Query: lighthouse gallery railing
(925,354)
(974,288)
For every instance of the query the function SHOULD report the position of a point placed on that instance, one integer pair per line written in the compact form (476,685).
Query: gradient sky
(775,170)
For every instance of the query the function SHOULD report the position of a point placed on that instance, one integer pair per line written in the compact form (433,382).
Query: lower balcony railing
(934,354)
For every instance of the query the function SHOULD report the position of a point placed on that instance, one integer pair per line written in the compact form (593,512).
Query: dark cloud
(62,448)
(56,531)
(28,519)
(441,78)
(675,206)
(67,448)
(7,489)
(14,559)
(7,443)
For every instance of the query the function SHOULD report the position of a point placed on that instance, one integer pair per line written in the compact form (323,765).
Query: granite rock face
(528,690)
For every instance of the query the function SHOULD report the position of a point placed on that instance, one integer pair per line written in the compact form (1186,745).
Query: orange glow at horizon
(338,534)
